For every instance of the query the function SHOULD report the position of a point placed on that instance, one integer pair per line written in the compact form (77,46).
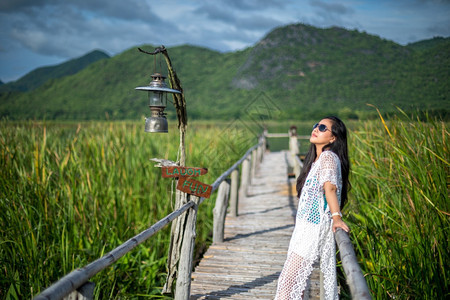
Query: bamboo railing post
(183,285)
(234,201)
(220,211)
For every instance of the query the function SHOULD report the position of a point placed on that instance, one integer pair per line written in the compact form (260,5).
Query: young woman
(322,187)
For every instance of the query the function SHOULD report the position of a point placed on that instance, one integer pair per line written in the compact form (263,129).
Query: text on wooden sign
(194,187)
(177,171)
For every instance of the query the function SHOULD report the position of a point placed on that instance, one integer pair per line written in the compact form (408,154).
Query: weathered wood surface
(194,187)
(247,264)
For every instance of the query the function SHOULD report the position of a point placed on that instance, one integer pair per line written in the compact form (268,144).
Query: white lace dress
(313,236)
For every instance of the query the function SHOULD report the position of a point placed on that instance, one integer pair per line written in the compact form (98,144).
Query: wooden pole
(264,143)
(298,165)
(183,285)
(234,193)
(249,175)
(293,145)
(254,165)
(259,153)
(178,226)
(220,211)
(245,174)
(176,240)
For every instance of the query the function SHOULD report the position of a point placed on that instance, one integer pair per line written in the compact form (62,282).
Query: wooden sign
(177,171)
(194,187)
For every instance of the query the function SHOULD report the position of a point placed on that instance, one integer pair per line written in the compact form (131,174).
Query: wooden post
(183,285)
(293,144)
(234,193)
(220,211)
(258,156)
(260,151)
(254,165)
(249,174)
(245,177)
(298,165)
(294,168)
(265,145)
(175,245)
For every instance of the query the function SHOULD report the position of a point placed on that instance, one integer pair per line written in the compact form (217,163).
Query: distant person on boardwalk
(322,190)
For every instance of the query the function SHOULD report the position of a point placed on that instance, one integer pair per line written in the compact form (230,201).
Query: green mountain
(429,44)
(294,72)
(39,76)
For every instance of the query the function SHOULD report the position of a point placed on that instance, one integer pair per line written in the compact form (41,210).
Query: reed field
(71,192)
(399,206)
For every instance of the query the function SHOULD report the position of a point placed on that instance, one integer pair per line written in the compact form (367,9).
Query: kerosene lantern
(157,95)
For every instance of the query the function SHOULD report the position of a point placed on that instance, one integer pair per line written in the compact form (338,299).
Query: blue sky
(37,33)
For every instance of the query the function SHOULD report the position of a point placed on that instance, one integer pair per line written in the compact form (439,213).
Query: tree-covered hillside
(428,44)
(301,72)
(39,76)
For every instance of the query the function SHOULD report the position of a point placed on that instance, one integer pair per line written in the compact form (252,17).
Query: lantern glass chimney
(156,98)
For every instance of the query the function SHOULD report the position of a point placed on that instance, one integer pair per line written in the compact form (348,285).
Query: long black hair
(340,148)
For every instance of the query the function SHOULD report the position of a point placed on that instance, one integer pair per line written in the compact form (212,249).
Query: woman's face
(322,138)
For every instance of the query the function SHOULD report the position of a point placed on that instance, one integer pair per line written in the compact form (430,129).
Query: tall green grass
(399,206)
(69,193)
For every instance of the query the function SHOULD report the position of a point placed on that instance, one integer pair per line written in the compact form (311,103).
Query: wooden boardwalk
(247,264)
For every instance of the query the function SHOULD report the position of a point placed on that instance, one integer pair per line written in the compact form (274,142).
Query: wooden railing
(355,278)
(76,285)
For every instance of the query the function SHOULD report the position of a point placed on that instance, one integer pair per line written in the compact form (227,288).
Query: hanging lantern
(157,95)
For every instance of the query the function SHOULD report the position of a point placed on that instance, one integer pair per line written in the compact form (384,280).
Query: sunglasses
(322,127)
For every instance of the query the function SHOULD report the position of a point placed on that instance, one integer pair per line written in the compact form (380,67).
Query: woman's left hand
(338,223)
